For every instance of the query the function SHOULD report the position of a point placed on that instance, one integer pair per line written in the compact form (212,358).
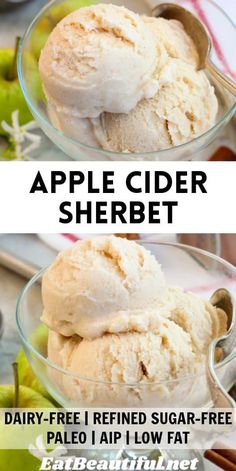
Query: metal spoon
(198,32)
(222,299)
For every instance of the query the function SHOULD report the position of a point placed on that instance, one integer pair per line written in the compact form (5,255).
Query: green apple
(26,374)
(28,398)
(16,395)
(11,96)
(22,397)
(48,22)
(39,340)
(32,78)
(10,459)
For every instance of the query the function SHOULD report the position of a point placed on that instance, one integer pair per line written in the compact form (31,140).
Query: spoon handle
(225,81)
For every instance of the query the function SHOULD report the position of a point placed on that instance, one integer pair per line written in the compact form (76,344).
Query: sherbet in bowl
(80,137)
(100,285)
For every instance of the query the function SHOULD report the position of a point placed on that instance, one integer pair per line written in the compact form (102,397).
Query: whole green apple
(26,375)
(14,460)
(21,397)
(11,96)
(32,78)
(28,398)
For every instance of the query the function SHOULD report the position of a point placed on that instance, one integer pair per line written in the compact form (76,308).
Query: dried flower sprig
(38,450)
(18,135)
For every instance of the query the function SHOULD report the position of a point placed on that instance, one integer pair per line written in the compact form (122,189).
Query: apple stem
(13,69)
(16,383)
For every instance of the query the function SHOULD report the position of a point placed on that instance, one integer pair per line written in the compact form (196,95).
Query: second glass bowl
(192,269)
(34,39)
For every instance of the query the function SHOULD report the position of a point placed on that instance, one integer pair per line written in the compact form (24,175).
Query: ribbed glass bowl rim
(72,374)
(125,156)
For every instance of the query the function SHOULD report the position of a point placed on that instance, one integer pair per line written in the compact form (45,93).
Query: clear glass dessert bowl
(190,268)
(201,148)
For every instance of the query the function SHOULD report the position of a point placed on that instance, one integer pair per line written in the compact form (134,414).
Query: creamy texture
(81,129)
(184,108)
(125,83)
(118,331)
(98,58)
(100,285)
(197,317)
(126,358)
(174,345)
(171,35)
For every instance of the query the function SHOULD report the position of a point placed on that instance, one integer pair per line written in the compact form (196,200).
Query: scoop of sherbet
(196,316)
(155,365)
(122,370)
(99,286)
(184,107)
(99,58)
(171,35)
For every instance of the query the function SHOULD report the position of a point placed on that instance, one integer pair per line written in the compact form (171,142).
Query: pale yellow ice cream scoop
(197,317)
(101,285)
(184,107)
(117,364)
(128,369)
(98,58)
(171,35)
(118,331)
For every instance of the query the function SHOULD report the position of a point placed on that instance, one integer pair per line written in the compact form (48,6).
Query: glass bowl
(190,268)
(201,148)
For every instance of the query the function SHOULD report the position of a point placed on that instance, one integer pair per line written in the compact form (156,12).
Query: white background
(229,6)
(23,212)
